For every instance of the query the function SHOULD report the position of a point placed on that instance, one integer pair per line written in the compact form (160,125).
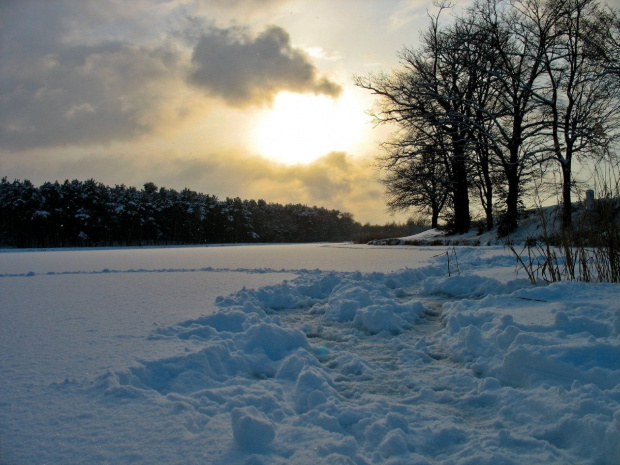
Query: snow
(297,354)
(534,224)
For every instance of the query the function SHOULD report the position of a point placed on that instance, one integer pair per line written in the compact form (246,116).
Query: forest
(88,213)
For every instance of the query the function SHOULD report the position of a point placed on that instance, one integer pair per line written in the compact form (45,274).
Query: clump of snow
(252,431)
(409,366)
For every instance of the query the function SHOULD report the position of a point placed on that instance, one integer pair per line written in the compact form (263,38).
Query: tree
(513,69)
(427,98)
(89,213)
(418,181)
(582,104)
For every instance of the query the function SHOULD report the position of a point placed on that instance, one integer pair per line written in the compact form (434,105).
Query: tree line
(494,99)
(89,213)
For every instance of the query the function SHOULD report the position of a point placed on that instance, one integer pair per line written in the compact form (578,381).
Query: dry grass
(587,251)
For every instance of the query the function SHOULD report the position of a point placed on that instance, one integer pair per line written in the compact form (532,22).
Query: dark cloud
(82,95)
(245,70)
(66,80)
(60,88)
(336,180)
(327,178)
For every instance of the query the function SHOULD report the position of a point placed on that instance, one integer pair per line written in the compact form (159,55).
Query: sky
(233,98)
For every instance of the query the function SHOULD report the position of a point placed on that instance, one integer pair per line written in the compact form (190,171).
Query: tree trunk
(487,191)
(510,220)
(489,209)
(512,205)
(566,195)
(462,219)
(434,217)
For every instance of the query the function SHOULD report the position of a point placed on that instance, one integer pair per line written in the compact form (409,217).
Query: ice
(303,354)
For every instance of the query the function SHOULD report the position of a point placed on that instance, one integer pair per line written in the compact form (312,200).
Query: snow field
(349,367)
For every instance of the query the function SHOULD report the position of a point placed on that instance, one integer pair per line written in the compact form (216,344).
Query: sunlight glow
(298,128)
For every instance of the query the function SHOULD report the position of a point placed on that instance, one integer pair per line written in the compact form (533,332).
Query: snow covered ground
(303,354)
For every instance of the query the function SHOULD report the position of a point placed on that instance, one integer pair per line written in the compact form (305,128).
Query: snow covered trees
(88,213)
(499,92)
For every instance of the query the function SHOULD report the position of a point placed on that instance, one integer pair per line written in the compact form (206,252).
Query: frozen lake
(329,353)
(90,310)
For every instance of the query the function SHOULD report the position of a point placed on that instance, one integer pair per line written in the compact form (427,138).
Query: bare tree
(418,181)
(426,98)
(582,104)
(513,69)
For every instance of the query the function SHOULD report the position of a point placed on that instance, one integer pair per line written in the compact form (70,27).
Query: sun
(299,128)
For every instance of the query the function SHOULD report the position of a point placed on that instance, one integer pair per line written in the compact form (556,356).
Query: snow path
(377,369)
(384,370)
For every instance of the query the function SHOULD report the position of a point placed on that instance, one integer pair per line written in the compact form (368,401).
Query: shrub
(589,250)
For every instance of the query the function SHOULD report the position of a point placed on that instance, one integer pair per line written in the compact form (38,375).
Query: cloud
(88,95)
(323,54)
(227,12)
(245,4)
(336,181)
(408,11)
(75,74)
(247,70)
(56,91)
(330,177)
